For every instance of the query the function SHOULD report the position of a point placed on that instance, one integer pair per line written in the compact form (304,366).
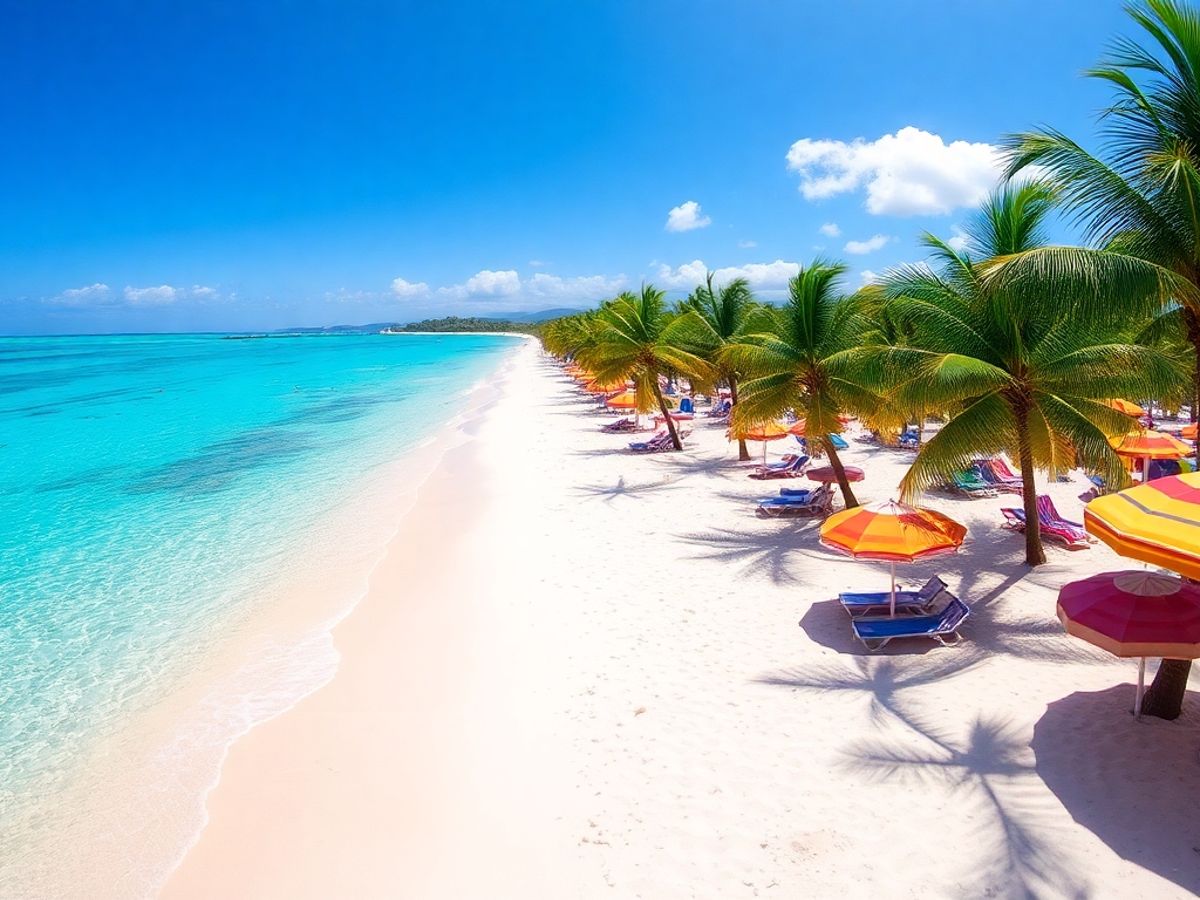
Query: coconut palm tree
(805,357)
(1020,368)
(635,336)
(1140,197)
(722,315)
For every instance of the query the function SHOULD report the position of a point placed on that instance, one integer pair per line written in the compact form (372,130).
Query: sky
(247,166)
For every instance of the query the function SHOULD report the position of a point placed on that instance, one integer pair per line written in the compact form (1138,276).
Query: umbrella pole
(1137,703)
(893,589)
(1145,470)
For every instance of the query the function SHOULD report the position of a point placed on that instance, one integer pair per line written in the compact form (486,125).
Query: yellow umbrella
(771,431)
(624,400)
(1157,522)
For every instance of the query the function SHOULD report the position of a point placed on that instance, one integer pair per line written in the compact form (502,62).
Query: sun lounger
(817,502)
(909,440)
(719,410)
(686,405)
(996,474)
(908,602)
(1050,524)
(659,443)
(941,626)
(787,468)
(619,426)
(972,485)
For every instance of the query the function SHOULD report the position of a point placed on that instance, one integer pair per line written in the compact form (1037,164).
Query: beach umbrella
(623,400)
(596,386)
(1157,522)
(1189,432)
(1127,407)
(1134,614)
(892,531)
(1147,445)
(826,475)
(771,431)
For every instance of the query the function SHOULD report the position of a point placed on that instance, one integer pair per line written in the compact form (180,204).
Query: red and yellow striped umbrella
(1143,444)
(892,531)
(1157,522)
(1127,407)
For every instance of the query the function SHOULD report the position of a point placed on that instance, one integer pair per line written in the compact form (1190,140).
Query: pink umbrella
(1134,614)
(826,475)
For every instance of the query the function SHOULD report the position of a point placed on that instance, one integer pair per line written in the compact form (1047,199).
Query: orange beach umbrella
(624,400)
(1127,407)
(1147,445)
(1189,432)
(771,431)
(1157,522)
(892,531)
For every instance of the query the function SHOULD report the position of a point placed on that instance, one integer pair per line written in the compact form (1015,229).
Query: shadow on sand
(1132,783)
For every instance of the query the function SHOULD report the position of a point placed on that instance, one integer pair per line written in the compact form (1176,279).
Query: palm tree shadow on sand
(1132,783)
(1011,836)
(621,489)
(758,554)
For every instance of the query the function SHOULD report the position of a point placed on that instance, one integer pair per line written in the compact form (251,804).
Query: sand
(584,673)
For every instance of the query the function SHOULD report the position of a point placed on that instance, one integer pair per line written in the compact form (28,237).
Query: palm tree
(1016,363)
(634,336)
(722,315)
(805,357)
(1142,201)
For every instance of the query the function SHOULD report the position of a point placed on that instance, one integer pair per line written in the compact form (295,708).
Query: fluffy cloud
(958,241)
(686,217)
(407,289)
(203,292)
(485,284)
(762,276)
(909,173)
(830,229)
(579,288)
(747,245)
(89,295)
(870,245)
(868,277)
(150,296)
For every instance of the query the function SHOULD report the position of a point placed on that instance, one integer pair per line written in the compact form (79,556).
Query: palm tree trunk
(1164,697)
(662,405)
(743,451)
(1035,554)
(840,471)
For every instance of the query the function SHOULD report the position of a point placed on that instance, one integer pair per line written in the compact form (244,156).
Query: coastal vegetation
(459,324)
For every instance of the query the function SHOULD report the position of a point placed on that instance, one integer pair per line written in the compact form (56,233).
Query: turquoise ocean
(150,488)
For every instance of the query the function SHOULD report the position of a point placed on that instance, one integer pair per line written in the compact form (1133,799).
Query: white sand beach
(580,672)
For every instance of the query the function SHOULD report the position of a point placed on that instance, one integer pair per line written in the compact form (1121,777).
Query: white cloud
(407,289)
(911,172)
(868,277)
(89,295)
(150,296)
(747,245)
(870,245)
(579,288)
(762,276)
(686,217)
(203,292)
(958,241)
(536,263)
(830,229)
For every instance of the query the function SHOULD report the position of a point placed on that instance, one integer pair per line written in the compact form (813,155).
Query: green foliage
(454,323)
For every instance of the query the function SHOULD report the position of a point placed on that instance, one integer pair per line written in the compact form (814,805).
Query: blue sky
(221,166)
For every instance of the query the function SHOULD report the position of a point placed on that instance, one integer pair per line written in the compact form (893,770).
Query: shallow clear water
(148,486)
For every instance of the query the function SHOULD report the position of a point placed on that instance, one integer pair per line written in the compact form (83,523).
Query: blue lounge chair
(786,468)
(817,502)
(686,405)
(719,410)
(972,485)
(940,626)
(877,602)
(909,440)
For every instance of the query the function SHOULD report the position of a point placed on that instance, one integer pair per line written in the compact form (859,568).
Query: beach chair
(866,603)
(817,502)
(621,425)
(686,405)
(719,410)
(790,467)
(1053,525)
(909,440)
(941,626)
(999,476)
(659,443)
(972,485)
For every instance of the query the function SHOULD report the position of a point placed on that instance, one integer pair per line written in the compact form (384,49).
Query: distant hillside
(454,323)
